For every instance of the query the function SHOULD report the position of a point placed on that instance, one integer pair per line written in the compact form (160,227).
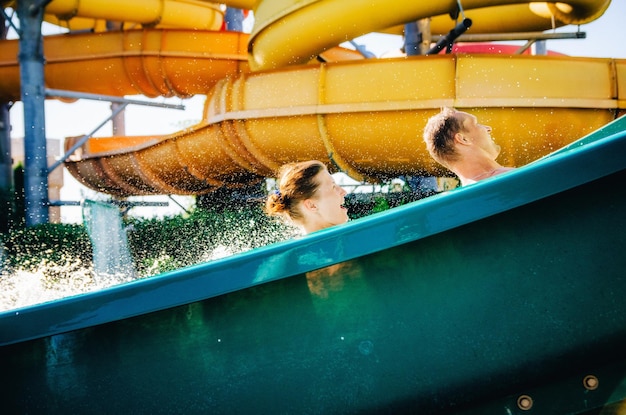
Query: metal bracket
(9,19)
(84,139)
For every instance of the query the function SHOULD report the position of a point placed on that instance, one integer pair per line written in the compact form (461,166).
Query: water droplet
(366,347)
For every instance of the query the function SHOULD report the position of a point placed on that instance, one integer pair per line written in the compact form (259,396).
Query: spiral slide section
(364,116)
(320,24)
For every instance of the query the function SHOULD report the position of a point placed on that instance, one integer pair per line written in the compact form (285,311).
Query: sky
(604,38)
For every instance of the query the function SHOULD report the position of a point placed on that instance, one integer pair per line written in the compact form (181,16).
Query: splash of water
(50,281)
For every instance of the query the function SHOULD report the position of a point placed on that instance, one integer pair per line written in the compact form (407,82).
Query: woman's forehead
(324,177)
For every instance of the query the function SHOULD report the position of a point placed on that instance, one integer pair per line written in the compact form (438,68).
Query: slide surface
(376,315)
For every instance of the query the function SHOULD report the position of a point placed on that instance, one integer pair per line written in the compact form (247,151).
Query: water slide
(286,92)
(505,296)
(502,297)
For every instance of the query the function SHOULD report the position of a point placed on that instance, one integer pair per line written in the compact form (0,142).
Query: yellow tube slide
(189,14)
(357,117)
(289,32)
(153,63)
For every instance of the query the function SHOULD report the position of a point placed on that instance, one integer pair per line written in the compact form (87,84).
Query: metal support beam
(84,139)
(6,163)
(31,60)
(541,48)
(423,27)
(59,93)
(9,21)
(123,102)
(412,39)
(417,37)
(6,170)
(495,37)
(362,50)
(179,205)
(234,19)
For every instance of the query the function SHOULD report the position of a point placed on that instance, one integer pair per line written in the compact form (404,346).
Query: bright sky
(604,39)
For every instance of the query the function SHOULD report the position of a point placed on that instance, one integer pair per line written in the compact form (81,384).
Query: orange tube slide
(156,62)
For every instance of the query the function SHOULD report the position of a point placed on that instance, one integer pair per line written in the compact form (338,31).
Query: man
(458,142)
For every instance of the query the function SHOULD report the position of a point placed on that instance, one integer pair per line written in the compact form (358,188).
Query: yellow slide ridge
(364,116)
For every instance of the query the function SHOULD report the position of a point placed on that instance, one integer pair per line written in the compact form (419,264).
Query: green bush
(159,245)
(162,244)
(29,248)
(156,245)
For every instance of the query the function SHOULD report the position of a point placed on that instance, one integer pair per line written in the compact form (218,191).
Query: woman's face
(328,203)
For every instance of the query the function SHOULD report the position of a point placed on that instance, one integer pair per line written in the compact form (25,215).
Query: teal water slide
(506,296)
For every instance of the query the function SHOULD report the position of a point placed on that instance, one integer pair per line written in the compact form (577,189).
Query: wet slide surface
(382,313)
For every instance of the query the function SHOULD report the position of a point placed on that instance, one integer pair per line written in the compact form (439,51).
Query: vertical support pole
(119,120)
(412,39)
(6,164)
(417,37)
(234,19)
(541,48)
(33,98)
(423,26)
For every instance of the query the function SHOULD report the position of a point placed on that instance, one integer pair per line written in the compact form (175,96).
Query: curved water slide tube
(363,117)
(320,24)
(93,14)
(151,62)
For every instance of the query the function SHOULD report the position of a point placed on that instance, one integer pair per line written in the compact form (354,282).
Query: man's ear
(461,139)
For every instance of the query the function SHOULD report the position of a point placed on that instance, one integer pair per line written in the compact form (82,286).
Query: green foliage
(12,202)
(6,205)
(159,245)
(156,245)
(163,244)
(28,248)
(380,204)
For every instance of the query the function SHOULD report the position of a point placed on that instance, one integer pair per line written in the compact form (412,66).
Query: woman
(308,196)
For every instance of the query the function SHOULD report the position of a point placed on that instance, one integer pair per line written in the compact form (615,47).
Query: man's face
(480,135)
